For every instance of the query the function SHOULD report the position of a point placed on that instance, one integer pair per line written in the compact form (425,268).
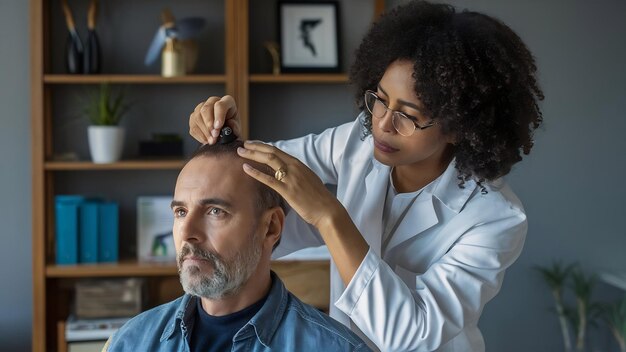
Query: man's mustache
(191,250)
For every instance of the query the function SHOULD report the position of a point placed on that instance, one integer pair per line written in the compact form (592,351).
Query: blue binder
(108,232)
(66,228)
(88,232)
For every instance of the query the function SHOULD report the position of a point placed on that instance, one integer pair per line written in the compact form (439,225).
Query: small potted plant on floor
(106,137)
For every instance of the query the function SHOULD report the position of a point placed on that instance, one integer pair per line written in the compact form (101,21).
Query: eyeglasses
(403,123)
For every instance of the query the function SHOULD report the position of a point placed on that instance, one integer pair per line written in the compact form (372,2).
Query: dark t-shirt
(211,333)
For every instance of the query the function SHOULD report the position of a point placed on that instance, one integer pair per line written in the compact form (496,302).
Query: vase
(105,143)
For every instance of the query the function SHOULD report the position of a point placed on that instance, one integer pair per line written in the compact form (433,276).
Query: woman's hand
(294,181)
(308,196)
(208,117)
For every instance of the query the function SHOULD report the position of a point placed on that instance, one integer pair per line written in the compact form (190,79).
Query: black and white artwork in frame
(309,36)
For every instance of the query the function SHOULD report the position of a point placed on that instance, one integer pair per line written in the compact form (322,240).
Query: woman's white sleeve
(322,153)
(439,303)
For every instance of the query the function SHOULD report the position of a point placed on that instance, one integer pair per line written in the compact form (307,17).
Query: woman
(424,226)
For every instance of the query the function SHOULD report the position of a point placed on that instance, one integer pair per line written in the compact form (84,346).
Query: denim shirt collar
(184,317)
(264,323)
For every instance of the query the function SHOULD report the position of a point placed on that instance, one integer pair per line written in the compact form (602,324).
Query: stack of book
(90,335)
(86,230)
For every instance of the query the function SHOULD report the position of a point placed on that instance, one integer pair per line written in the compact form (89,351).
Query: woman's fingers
(197,129)
(265,179)
(226,113)
(209,117)
(264,154)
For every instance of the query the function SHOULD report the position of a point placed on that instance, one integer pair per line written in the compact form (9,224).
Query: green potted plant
(556,277)
(615,318)
(106,137)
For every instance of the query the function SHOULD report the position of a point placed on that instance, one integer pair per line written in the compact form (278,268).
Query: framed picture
(309,36)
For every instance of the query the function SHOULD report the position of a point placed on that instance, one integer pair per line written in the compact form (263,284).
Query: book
(108,232)
(88,232)
(66,227)
(155,241)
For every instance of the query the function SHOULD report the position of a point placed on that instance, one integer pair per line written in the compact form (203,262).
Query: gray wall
(571,184)
(15,176)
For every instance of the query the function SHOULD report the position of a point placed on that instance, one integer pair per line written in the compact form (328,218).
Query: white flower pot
(105,143)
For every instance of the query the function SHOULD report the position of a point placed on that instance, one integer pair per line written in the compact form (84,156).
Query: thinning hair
(266,198)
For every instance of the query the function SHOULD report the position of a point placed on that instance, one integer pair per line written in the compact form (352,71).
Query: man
(226,226)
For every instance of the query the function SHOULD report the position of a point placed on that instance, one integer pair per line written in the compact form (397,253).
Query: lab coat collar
(448,191)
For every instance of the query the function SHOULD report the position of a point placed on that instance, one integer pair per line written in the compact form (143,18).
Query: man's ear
(275,222)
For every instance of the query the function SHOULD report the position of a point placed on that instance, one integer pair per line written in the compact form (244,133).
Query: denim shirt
(284,323)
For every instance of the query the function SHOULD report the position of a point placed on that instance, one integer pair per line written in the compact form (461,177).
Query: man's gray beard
(228,276)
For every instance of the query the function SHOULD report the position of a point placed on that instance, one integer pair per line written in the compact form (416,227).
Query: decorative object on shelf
(162,145)
(92,50)
(155,241)
(309,36)
(74,51)
(174,41)
(106,138)
(274,49)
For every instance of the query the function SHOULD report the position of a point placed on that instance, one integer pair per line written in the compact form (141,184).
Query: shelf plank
(130,268)
(300,78)
(134,268)
(120,165)
(138,79)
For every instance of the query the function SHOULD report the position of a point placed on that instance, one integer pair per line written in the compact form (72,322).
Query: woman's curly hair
(473,74)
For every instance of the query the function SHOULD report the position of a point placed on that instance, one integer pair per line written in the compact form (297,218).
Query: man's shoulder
(310,320)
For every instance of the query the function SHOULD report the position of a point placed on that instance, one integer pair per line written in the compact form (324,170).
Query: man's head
(226,224)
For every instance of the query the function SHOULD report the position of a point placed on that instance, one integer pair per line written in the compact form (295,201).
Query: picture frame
(309,37)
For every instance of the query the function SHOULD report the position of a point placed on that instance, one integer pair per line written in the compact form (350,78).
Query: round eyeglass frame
(394,114)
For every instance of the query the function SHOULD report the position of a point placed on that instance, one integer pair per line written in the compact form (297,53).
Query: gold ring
(280,174)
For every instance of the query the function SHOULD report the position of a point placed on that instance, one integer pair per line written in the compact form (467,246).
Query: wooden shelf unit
(305,279)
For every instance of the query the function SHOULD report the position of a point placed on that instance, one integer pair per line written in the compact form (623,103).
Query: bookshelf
(232,69)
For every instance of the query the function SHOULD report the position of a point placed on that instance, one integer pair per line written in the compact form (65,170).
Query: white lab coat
(426,290)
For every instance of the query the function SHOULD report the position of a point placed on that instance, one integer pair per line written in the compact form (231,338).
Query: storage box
(108,298)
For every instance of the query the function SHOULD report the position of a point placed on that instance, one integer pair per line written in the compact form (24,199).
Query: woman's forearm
(344,241)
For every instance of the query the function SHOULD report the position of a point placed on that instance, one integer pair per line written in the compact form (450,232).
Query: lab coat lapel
(422,215)
(370,213)
(414,224)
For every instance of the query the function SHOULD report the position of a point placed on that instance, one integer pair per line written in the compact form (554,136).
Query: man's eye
(179,212)
(216,211)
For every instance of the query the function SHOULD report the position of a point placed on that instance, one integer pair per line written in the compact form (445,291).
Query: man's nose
(191,229)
